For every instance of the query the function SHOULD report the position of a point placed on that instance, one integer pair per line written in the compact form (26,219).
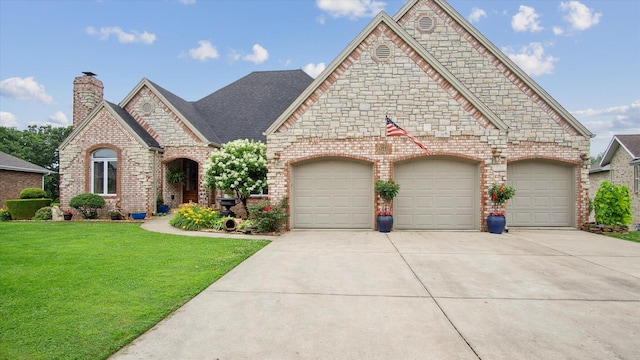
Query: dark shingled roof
(10,162)
(631,143)
(243,109)
(135,126)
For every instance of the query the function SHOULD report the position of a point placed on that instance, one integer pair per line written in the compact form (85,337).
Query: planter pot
(115,216)
(67,216)
(138,216)
(163,209)
(385,223)
(496,224)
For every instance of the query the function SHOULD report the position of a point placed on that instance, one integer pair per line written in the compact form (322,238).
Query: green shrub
(43,214)
(612,204)
(268,218)
(33,193)
(4,215)
(25,209)
(87,204)
(194,217)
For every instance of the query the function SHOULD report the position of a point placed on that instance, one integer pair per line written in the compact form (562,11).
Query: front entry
(190,184)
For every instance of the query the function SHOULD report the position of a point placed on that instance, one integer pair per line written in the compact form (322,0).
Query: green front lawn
(82,290)
(631,236)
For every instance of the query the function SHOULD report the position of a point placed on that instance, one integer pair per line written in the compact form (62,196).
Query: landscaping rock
(56,214)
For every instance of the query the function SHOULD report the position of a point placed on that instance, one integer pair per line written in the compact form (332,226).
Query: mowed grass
(631,236)
(82,290)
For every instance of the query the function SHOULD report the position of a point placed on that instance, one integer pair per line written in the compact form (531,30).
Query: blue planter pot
(138,216)
(163,209)
(385,223)
(496,224)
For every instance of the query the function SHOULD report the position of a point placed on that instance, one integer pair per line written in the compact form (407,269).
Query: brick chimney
(88,92)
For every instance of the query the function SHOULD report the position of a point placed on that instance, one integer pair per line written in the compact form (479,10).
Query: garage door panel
(318,203)
(436,193)
(544,194)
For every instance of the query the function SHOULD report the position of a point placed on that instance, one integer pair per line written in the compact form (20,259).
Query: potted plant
(499,194)
(114,214)
(138,215)
(67,214)
(387,191)
(161,206)
(175,176)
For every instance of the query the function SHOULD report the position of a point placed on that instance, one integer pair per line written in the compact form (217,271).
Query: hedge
(25,209)
(32,193)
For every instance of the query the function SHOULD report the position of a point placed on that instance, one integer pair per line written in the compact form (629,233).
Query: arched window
(104,165)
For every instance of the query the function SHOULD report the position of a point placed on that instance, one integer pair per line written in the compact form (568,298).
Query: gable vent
(147,108)
(383,52)
(425,24)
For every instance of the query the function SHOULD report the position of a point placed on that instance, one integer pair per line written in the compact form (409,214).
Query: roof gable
(125,119)
(12,163)
(511,67)
(630,143)
(382,22)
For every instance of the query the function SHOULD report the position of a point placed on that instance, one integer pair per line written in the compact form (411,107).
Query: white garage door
(437,194)
(332,194)
(544,194)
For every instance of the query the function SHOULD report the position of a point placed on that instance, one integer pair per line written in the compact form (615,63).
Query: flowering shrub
(268,218)
(194,217)
(240,167)
(4,215)
(387,190)
(499,193)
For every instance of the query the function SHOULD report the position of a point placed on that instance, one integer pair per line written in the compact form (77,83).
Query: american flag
(394,130)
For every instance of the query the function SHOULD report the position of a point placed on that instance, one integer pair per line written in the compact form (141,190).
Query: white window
(104,165)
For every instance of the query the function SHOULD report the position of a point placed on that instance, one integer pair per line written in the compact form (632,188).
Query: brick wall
(87,94)
(12,182)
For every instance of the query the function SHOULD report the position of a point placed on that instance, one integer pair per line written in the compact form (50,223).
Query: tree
(240,167)
(596,160)
(37,145)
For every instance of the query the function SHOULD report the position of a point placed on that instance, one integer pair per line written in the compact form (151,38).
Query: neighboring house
(124,152)
(620,164)
(482,118)
(17,174)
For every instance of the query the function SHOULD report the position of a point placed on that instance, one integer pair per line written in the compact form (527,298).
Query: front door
(190,185)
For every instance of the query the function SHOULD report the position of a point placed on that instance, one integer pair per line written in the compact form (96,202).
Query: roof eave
(22,169)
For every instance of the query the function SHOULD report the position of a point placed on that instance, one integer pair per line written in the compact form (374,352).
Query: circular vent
(426,24)
(383,52)
(147,108)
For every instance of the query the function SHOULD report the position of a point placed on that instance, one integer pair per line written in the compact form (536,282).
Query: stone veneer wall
(87,94)
(345,115)
(12,182)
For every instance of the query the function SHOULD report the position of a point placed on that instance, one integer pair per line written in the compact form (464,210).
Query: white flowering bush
(239,167)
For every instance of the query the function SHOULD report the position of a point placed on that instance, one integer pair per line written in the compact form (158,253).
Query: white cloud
(526,20)
(314,69)
(187,2)
(476,15)
(558,30)
(24,89)
(532,59)
(7,119)
(615,110)
(321,19)
(234,55)
(259,55)
(204,51)
(59,118)
(579,15)
(352,8)
(123,37)
(607,122)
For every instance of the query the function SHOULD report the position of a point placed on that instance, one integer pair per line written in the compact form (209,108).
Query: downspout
(155,182)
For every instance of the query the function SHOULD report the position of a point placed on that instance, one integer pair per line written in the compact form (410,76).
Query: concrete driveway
(528,294)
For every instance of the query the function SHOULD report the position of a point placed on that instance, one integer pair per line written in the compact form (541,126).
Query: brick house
(17,174)
(620,165)
(124,152)
(482,118)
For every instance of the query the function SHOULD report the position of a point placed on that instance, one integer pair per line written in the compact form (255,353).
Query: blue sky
(586,54)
